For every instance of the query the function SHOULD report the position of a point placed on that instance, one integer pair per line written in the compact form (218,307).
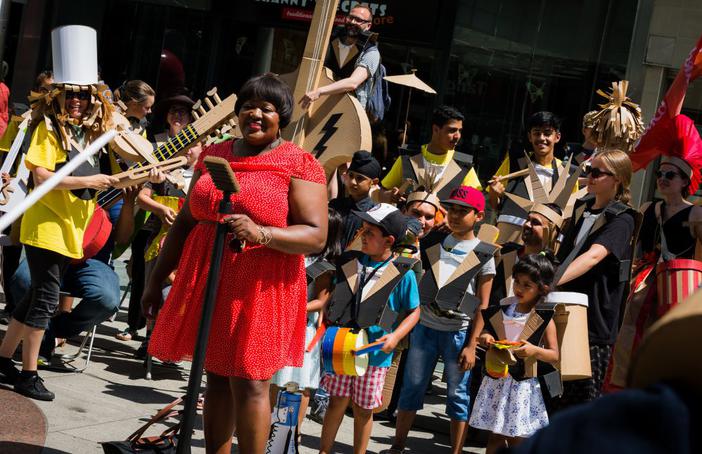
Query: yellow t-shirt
(58,221)
(394,178)
(9,136)
(504,170)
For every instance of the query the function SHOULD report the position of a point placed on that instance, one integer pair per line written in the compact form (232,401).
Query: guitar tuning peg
(209,103)
(213,94)
(198,107)
(195,114)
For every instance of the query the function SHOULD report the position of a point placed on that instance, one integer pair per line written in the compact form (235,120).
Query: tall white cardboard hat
(74,52)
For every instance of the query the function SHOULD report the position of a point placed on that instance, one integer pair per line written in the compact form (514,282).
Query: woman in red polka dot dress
(260,313)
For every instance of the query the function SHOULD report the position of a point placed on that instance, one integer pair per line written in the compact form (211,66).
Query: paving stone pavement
(112,398)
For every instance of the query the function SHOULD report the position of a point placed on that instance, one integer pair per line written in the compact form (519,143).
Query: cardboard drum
(571,324)
(338,347)
(676,280)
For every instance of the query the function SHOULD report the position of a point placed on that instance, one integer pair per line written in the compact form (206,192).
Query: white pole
(40,191)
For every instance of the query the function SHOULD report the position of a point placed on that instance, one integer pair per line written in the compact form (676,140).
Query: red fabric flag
(650,148)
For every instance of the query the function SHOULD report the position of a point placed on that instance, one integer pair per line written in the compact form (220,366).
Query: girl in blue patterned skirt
(509,403)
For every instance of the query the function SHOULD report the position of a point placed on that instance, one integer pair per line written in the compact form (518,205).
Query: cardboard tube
(41,190)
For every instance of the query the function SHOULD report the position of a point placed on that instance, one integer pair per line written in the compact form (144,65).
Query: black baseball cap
(387,217)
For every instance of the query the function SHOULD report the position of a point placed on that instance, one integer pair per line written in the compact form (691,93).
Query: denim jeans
(95,282)
(426,346)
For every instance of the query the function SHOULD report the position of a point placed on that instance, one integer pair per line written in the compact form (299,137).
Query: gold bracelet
(264,236)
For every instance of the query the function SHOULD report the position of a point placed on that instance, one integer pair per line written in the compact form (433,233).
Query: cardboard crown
(560,194)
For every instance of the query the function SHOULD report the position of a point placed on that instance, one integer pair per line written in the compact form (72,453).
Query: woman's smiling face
(77,103)
(259,122)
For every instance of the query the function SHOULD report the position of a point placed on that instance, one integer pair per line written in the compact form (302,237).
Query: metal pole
(186,429)
(404,130)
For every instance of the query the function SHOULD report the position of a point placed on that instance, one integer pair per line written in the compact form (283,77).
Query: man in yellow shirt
(437,168)
(544,132)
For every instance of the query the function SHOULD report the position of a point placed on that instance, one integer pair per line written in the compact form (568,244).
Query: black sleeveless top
(678,238)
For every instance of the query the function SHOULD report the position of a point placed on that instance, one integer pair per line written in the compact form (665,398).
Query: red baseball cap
(466,196)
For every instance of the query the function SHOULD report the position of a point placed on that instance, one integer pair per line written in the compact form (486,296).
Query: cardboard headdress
(74,53)
(619,123)
(671,134)
(424,196)
(589,119)
(560,195)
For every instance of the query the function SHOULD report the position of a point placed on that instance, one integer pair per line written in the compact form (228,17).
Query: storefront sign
(393,19)
(301,10)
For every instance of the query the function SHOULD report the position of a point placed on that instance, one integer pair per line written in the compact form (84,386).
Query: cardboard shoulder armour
(453,295)
(452,177)
(347,308)
(318,268)
(533,332)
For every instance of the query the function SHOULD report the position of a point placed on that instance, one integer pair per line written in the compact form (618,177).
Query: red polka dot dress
(260,313)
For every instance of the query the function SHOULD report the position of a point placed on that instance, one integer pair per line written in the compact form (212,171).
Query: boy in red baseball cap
(444,329)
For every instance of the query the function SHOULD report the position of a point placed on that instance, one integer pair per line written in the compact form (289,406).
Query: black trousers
(39,304)
(581,391)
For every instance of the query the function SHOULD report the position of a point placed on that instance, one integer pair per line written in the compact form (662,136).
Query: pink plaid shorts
(366,391)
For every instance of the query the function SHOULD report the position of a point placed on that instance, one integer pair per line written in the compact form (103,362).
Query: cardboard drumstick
(509,176)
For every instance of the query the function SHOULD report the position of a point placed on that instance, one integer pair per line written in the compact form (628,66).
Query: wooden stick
(509,176)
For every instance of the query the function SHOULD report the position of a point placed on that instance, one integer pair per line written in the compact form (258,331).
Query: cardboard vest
(349,309)
(533,332)
(452,177)
(614,209)
(452,296)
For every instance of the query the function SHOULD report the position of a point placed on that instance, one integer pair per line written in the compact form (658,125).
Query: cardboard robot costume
(353,304)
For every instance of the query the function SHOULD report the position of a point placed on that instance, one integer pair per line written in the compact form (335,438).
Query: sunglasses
(594,172)
(81,95)
(668,175)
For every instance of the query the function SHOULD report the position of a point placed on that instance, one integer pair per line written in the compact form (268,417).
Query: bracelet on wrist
(264,236)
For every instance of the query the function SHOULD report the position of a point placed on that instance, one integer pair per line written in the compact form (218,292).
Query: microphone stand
(228,187)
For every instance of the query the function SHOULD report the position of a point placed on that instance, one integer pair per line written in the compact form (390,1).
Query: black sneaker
(9,375)
(33,387)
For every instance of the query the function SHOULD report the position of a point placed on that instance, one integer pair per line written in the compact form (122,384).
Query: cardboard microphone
(224,179)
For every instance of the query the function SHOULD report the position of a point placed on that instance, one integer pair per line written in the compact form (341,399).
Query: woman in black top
(596,258)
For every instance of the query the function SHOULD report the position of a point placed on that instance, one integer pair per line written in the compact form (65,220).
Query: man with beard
(539,232)
(437,167)
(353,43)
(543,132)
